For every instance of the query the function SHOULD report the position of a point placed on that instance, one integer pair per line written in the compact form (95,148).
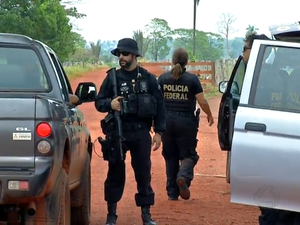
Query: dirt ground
(210,196)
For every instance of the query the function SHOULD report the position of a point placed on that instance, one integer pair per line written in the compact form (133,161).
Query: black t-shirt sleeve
(196,86)
(104,97)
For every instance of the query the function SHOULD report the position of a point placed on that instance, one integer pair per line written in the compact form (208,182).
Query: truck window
(66,78)
(61,77)
(236,87)
(278,83)
(21,70)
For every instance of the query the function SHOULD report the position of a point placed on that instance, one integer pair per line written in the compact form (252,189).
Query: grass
(211,91)
(74,72)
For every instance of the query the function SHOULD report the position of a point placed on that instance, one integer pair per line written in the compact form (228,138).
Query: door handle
(260,127)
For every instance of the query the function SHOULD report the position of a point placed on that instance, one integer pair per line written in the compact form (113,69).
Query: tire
(228,163)
(65,200)
(81,214)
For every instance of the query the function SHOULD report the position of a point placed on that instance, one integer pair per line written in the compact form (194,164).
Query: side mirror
(223,86)
(86,92)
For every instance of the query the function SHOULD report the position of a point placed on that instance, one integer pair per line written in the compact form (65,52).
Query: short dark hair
(253,37)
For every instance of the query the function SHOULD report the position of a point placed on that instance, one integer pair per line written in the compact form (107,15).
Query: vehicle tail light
(18,185)
(43,130)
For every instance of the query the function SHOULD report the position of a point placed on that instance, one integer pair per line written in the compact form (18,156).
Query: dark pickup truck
(45,145)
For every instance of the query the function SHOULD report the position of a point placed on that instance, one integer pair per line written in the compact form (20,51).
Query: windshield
(21,70)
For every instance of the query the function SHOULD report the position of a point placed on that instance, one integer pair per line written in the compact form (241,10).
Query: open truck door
(265,148)
(230,100)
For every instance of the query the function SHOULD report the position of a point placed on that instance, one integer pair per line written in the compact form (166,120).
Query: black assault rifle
(112,128)
(117,114)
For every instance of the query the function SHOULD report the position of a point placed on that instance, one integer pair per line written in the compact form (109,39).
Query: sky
(116,19)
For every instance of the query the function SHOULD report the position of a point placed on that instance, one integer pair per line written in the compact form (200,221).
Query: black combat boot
(146,216)
(184,189)
(185,176)
(112,214)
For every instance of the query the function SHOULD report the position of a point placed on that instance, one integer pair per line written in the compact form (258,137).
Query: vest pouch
(146,105)
(129,104)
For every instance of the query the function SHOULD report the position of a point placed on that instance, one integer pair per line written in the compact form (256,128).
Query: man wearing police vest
(181,91)
(140,100)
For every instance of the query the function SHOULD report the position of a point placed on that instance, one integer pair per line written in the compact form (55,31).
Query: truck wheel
(228,162)
(64,200)
(81,214)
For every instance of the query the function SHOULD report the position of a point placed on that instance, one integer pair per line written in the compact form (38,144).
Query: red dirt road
(210,196)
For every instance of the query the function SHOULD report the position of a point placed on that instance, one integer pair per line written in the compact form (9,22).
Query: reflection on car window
(278,82)
(236,87)
(21,70)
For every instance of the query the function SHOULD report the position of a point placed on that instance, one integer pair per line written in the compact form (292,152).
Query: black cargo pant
(179,149)
(138,141)
(278,217)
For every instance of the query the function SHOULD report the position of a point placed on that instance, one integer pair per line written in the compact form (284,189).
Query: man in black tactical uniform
(181,89)
(134,83)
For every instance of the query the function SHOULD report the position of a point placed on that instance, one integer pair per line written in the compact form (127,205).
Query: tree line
(157,42)
(53,22)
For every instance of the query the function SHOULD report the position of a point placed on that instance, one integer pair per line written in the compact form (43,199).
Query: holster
(109,148)
(104,148)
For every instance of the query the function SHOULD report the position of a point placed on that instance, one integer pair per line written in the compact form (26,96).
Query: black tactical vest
(137,99)
(177,93)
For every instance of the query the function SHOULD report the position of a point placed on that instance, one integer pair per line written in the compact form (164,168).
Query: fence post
(213,73)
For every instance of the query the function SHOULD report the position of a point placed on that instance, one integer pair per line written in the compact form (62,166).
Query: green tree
(44,20)
(95,50)
(236,46)
(160,34)
(79,41)
(251,30)
(183,38)
(72,10)
(106,47)
(209,45)
(142,41)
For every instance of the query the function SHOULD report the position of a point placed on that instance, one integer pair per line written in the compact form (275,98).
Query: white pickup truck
(281,32)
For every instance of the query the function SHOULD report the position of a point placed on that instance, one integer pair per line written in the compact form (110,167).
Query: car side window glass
(237,84)
(65,91)
(66,78)
(278,81)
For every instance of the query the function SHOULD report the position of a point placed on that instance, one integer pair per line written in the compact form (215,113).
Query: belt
(180,114)
(134,126)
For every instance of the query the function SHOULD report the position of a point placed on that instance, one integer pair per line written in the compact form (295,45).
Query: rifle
(117,114)
(112,128)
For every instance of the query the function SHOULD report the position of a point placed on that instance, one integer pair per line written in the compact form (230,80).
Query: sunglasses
(245,48)
(123,53)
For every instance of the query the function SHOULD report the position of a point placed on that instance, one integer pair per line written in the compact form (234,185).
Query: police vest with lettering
(177,93)
(137,99)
